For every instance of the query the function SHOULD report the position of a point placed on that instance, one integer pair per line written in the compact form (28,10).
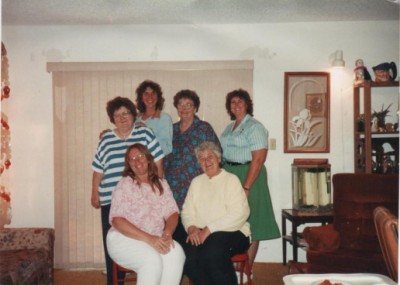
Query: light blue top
(249,136)
(162,128)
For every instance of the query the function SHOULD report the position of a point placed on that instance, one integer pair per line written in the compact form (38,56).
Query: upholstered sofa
(351,244)
(26,256)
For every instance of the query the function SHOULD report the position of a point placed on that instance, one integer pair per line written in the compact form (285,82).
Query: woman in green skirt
(245,147)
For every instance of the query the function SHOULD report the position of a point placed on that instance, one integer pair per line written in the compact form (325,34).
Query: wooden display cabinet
(374,151)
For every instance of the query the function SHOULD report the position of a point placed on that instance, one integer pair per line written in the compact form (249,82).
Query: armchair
(350,244)
(388,235)
(26,256)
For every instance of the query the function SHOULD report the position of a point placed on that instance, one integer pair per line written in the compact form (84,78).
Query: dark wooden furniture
(298,218)
(387,228)
(356,247)
(369,153)
(26,256)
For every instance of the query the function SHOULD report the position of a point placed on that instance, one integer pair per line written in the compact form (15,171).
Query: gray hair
(208,145)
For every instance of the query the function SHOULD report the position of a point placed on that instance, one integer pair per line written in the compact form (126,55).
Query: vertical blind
(80,93)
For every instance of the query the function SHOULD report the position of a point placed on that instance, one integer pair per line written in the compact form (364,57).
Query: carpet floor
(264,274)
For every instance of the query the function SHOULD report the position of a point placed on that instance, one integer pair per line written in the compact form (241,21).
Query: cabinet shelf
(370,84)
(374,152)
(379,135)
(301,243)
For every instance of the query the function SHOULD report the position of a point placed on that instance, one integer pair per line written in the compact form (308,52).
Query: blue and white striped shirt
(249,136)
(110,154)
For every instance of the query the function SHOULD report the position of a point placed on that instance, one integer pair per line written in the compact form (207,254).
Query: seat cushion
(324,238)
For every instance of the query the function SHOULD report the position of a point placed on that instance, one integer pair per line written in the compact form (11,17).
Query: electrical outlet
(272,144)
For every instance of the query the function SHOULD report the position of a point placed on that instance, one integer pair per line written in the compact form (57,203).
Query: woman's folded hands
(197,236)
(162,244)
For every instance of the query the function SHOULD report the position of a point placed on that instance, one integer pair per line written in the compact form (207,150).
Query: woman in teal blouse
(245,147)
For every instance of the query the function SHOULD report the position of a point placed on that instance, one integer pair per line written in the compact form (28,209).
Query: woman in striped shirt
(108,163)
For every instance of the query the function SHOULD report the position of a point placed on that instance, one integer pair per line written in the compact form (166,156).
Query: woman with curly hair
(181,165)
(150,102)
(108,162)
(245,147)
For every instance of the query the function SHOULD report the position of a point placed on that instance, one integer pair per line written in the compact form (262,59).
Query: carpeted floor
(264,274)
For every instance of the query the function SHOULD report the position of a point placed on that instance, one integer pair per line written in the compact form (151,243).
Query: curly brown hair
(140,91)
(242,94)
(154,179)
(118,102)
(188,94)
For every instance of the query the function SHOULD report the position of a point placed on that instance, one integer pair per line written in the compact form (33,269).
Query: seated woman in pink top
(143,216)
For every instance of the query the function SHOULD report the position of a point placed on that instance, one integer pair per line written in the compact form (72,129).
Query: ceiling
(136,12)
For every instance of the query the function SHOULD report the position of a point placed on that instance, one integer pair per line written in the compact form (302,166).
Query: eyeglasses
(185,105)
(206,158)
(123,115)
(137,157)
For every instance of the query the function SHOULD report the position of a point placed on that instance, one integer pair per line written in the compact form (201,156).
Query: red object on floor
(131,276)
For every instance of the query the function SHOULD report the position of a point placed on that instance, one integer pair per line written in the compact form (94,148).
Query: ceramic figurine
(374,125)
(385,72)
(360,72)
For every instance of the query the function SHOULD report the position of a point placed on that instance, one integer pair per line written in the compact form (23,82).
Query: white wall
(275,48)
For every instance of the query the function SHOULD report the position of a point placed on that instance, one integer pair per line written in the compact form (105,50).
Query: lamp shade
(338,60)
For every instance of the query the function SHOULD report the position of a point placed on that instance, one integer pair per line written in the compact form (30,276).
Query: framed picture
(316,104)
(306,114)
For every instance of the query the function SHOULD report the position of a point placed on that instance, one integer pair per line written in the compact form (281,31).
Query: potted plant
(381,115)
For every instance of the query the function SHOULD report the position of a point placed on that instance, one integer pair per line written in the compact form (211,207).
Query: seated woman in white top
(214,215)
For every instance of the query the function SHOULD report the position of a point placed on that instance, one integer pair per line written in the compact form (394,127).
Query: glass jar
(311,185)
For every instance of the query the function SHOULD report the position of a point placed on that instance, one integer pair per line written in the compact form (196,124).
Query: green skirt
(262,219)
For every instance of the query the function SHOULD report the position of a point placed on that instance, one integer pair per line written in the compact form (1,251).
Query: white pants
(152,268)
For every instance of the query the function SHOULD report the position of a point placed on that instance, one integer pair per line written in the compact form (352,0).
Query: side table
(298,218)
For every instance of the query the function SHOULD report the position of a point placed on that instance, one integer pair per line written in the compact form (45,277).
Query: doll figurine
(374,125)
(360,72)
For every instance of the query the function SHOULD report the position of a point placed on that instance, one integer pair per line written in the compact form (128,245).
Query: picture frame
(316,104)
(306,112)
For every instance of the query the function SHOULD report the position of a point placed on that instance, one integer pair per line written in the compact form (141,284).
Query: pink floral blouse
(142,207)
